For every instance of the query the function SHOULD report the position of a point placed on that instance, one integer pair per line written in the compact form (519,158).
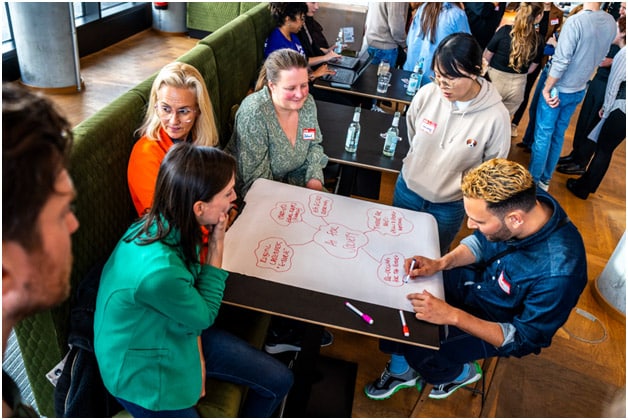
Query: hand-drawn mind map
(331,244)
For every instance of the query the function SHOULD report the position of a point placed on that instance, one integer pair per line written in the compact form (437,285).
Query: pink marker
(361,314)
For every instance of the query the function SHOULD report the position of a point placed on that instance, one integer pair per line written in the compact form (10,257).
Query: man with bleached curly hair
(509,286)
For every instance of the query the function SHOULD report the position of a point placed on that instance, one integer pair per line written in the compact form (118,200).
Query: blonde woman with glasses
(179,109)
(514,52)
(454,124)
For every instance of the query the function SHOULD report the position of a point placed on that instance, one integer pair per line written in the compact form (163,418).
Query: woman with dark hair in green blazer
(160,293)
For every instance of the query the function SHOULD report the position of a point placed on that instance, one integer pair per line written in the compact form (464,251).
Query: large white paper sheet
(331,244)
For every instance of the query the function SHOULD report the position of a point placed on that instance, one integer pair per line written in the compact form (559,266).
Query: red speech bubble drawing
(339,240)
(320,205)
(274,254)
(391,270)
(388,222)
(285,213)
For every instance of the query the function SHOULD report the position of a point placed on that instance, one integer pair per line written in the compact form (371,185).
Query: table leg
(346,180)
(305,372)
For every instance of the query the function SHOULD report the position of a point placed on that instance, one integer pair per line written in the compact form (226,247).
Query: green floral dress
(262,149)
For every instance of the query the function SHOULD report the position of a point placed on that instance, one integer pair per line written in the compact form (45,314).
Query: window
(7,31)
(84,12)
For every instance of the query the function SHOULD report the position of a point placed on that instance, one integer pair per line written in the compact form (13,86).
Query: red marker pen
(404,326)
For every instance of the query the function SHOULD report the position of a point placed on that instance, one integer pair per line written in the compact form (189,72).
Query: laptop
(344,61)
(345,78)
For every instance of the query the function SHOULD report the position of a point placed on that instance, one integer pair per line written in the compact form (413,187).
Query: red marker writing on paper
(361,314)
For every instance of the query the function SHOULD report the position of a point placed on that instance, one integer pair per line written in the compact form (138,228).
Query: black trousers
(612,134)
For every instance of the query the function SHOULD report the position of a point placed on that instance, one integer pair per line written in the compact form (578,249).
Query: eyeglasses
(185,115)
(447,85)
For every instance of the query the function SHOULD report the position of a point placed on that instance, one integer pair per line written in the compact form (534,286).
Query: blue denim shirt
(531,291)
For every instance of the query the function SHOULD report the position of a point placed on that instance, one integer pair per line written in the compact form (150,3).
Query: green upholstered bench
(204,18)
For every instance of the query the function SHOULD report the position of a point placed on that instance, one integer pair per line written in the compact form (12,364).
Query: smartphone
(553,93)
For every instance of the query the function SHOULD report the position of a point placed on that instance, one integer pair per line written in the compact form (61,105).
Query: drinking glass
(383,80)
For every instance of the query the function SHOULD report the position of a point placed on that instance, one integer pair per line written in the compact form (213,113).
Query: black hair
(188,173)
(458,55)
(280,11)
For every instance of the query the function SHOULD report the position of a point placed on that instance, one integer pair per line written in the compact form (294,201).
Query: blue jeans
(445,364)
(528,137)
(379,55)
(449,216)
(230,359)
(549,134)
(140,412)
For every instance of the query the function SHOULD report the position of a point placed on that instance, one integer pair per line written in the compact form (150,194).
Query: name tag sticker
(309,133)
(554,21)
(503,283)
(428,126)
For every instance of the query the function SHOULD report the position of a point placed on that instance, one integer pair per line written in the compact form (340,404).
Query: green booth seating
(98,165)
(204,18)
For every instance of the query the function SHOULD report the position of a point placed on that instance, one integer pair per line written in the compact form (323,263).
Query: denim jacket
(532,290)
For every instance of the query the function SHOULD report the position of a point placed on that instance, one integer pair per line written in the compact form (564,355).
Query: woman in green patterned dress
(276,134)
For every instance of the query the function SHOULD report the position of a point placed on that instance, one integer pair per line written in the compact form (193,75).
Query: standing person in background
(37,217)
(576,162)
(484,18)
(454,124)
(431,24)
(613,120)
(385,30)
(158,298)
(549,26)
(513,53)
(579,51)
(179,109)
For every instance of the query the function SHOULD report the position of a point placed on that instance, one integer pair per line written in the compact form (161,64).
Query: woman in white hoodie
(454,124)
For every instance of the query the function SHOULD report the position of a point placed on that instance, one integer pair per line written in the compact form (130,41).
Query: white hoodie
(446,142)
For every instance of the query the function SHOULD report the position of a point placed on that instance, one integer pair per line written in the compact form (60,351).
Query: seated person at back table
(531,269)
(290,19)
(276,134)
(160,293)
(179,109)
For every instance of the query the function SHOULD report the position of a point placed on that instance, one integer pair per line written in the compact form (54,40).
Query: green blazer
(149,312)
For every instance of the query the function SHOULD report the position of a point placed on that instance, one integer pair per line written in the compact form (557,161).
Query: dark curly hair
(280,11)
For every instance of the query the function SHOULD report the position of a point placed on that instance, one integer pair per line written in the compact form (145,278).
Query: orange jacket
(143,168)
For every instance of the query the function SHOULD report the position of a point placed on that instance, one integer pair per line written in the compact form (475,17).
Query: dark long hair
(187,174)
(458,53)
(430,17)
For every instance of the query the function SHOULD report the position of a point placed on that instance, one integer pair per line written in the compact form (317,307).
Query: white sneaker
(513,130)
(377,109)
(542,185)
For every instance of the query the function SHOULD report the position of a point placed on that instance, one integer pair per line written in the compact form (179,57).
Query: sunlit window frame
(89,12)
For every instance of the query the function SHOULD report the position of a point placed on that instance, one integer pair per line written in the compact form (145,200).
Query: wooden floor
(578,376)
